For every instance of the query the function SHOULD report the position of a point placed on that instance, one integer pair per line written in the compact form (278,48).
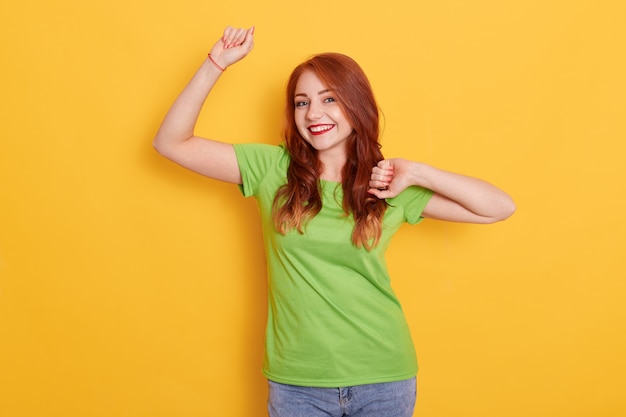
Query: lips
(320,129)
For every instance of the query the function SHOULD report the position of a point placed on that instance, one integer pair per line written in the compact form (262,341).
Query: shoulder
(260,153)
(261,166)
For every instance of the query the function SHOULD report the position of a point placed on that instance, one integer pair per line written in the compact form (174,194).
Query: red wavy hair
(299,199)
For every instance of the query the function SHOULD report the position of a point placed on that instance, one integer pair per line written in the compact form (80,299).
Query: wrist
(219,65)
(419,174)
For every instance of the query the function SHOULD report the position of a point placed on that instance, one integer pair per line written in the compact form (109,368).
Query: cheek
(340,116)
(300,124)
(304,134)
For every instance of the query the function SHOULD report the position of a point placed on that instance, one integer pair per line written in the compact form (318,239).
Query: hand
(456,197)
(390,177)
(233,46)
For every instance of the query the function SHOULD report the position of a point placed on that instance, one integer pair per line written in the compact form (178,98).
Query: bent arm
(457,197)
(464,199)
(176,139)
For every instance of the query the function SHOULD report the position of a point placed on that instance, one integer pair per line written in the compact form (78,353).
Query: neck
(332,167)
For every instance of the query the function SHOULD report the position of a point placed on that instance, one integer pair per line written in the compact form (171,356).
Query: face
(318,116)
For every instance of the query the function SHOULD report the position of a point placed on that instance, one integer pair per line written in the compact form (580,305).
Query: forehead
(309,83)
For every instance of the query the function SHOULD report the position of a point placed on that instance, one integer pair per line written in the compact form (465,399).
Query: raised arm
(457,197)
(176,140)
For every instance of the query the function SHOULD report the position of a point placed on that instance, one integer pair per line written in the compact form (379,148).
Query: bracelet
(216,64)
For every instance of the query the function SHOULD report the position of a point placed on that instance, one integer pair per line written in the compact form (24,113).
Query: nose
(313,112)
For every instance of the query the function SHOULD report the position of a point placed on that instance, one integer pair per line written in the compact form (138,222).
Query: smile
(319,129)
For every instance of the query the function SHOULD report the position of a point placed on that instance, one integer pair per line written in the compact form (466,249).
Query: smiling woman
(339,96)
(329,206)
(322,123)
(130,287)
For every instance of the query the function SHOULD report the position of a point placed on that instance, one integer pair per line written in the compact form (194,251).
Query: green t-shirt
(333,319)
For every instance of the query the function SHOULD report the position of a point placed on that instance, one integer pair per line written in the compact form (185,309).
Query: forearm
(480,198)
(179,123)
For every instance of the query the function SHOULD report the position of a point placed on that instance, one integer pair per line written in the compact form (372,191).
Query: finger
(238,38)
(231,35)
(246,39)
(380,194)
(385,166)
(380,176)
(379,185)
(249,38)
(227,34)
(381,173)
(378,182)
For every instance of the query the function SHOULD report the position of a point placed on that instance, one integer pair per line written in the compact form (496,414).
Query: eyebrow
(318,93)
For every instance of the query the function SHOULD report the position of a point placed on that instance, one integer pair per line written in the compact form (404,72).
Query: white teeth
(317,129)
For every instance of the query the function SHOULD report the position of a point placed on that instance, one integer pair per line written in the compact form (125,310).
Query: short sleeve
(255,162)
(413,200)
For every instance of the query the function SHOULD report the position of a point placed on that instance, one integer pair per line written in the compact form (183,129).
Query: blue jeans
(389,399)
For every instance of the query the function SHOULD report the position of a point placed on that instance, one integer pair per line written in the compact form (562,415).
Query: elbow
(505,210)
(158,145)
(170,146)
(509,208)
(161,146)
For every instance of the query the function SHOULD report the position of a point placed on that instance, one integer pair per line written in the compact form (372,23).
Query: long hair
(300,199)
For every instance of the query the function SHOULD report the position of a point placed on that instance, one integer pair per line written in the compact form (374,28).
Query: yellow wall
(130,287)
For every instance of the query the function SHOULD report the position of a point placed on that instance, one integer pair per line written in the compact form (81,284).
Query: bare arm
(457,197)
(176,140)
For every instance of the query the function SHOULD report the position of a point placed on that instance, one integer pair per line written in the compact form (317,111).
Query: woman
(337,342)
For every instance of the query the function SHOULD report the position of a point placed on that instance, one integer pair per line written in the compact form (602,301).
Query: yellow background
(130,287)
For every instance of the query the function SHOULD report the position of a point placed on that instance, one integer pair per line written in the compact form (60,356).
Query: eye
(301,103)
(329,100)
